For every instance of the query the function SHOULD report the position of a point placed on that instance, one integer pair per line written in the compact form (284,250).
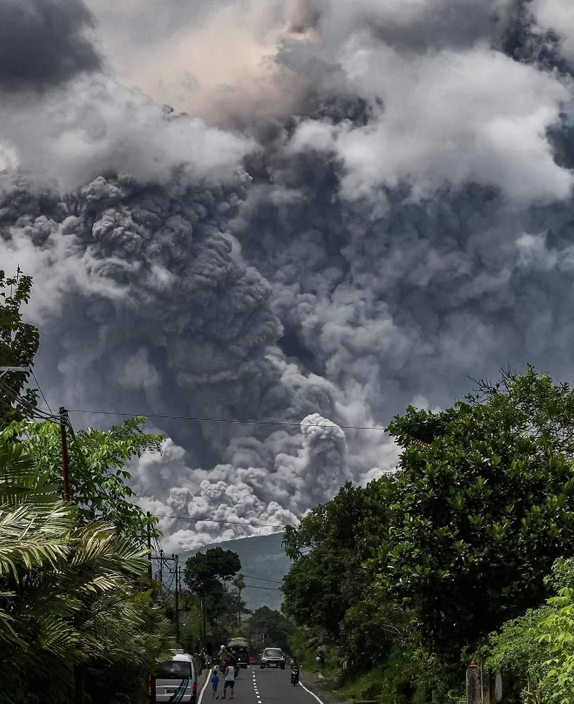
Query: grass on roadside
(365,687)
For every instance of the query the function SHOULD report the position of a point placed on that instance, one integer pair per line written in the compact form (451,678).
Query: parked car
(175,680)
(272,656)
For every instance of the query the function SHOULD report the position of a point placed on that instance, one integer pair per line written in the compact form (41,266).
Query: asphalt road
(268,686)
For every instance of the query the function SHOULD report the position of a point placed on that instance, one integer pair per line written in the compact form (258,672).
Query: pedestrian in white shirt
(229,681)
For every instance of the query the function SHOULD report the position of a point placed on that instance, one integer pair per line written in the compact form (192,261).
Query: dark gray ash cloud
(43,43)
(408,226)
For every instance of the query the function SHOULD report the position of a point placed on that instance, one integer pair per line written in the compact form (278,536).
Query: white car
(175,680)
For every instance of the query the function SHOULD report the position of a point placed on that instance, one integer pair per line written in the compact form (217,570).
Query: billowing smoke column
(43,43)
(393,216)
(248,498)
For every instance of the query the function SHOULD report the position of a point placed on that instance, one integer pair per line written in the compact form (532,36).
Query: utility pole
(65,471)
(204,621)
(176,557)
(149,572)
(161,567)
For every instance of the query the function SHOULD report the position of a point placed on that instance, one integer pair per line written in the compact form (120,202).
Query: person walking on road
(229,681)
(214,684)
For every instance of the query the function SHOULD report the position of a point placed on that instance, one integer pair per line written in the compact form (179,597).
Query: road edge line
(311,693)
(207,680)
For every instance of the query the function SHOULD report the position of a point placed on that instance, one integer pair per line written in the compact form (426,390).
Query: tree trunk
(79,685)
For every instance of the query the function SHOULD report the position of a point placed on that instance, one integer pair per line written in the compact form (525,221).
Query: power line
(33,411)
(232,421)
(231,523)
(269,589)
(40,389)
(261,579)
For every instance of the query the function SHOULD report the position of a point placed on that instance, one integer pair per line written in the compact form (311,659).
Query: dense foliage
(97,468)
(269,628)
(536,649)
(19,343)
(71,600)
(213,581)
(422,566)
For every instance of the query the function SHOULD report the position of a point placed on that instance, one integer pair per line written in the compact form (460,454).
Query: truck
(239,647)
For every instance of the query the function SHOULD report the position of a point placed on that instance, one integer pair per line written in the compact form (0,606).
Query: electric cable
(269,589)
(40,390)
(261,579)
(231,523)
(232,421)
(33,411)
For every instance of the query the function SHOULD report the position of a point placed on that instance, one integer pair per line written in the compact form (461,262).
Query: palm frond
(29,539)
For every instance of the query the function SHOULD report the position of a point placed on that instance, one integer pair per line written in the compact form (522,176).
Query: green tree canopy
(268,627)
(481,511)
(97,468)
(19,343)
(207,570)
(329,548)
(69,592)
(535,649)
(74,610)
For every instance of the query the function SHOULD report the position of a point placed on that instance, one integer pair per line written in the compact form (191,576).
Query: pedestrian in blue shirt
(214,684)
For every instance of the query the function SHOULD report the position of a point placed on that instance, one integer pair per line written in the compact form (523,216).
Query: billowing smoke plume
(241,497)
(376,209)
(43,43)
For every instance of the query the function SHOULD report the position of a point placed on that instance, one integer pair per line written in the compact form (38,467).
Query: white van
(175,680)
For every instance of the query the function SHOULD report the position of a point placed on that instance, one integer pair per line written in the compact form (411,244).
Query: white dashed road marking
(256,689)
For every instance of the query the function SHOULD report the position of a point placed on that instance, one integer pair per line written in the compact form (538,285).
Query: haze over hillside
(261,557)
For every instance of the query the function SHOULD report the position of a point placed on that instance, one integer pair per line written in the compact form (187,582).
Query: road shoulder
(315,685)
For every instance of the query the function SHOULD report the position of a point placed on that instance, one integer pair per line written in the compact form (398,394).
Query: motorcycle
(294,675)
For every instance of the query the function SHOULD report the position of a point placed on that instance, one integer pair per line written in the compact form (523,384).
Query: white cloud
(557,15)
(448,117)
(75,135)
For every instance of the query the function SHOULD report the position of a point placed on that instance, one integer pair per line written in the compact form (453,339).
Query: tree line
(464,553)
(214,585)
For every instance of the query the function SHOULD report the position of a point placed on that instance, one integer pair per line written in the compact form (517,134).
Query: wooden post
(485,685)
(498,688)
(473,693)
(149,570)
(177,600)
(65,472)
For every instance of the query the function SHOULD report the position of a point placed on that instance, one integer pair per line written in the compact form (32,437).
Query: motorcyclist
(222,657)
(294,671)
(232,660)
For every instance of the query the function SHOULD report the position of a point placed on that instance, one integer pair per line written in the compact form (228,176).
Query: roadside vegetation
(465,553)
(215,611)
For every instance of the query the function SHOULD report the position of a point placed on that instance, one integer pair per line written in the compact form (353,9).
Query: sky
(271,225)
